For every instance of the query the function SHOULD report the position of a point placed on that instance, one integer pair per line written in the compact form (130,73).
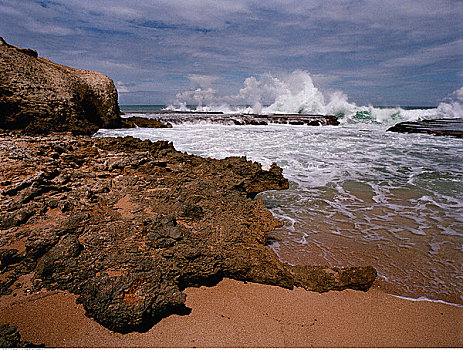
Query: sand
(237,314)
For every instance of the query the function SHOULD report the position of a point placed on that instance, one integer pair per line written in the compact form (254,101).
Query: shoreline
(238,314)
(422,298)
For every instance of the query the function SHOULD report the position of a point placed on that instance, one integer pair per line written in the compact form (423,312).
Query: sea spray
(296,93)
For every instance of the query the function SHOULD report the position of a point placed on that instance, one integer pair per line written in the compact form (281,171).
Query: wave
(296,93)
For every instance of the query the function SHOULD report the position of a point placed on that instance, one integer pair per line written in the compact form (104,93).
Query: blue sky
(394,52)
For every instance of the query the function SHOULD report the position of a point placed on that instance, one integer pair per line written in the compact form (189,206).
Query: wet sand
(237,314)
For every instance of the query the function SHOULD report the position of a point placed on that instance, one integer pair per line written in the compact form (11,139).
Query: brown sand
(237,314)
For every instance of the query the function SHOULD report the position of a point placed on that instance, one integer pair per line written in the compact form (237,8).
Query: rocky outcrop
(127,225)
(39,96)
(178,117)
(439,127)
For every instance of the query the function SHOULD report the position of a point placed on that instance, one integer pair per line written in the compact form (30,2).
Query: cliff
(38,96)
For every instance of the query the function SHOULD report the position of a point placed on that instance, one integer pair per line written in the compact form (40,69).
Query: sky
(380,52)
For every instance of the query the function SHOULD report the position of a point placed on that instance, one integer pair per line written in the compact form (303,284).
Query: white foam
(425,299)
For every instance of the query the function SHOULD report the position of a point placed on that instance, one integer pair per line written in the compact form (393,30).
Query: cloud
(121,87)
(198,96)
(203,81)
(166,46)
(429,55)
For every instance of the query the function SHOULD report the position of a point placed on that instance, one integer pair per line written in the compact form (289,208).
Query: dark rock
(16,218)
(141,223)
(9,257)
(140,122)
(261,179)
(162,231)
(39,96)
(172,117)
(10,338)
(439,127)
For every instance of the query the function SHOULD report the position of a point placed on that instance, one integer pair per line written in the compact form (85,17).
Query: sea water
(358,195)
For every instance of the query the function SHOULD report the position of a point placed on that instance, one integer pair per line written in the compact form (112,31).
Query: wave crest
(296,93)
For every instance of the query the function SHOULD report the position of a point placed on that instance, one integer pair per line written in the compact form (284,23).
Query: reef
(176,117)
(127,225)
(438,127)
(140,122)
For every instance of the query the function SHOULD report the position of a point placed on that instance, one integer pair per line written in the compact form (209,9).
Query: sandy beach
(237,314)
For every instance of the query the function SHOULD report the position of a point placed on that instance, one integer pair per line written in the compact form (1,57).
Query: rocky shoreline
(128,224)
(124,224)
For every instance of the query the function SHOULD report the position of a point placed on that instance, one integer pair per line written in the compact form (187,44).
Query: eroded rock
(127,225)
(39,96)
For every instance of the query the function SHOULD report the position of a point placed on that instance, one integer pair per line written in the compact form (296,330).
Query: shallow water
(358,195)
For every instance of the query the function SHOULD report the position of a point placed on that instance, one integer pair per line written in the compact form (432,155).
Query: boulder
(38,96)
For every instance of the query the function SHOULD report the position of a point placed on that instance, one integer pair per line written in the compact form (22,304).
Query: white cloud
(203,81)
(199,96)
(121,87)
(170,45)
(429,55)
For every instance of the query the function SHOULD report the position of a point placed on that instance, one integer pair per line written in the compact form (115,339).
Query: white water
(296,93)
(358,195)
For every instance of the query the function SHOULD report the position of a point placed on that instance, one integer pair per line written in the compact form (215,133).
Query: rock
(322,278)
(141,223)
(162,231)
(258,181)
(39,96)
(134,122)
(439,127)
(10,338)
(166,117)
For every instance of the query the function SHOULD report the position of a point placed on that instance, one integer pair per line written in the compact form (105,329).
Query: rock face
(439,127)
(39,96)
(128,224)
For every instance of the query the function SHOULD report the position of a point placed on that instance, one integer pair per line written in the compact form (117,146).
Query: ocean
(359,195)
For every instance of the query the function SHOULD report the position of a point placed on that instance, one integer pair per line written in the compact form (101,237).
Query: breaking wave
(296,93)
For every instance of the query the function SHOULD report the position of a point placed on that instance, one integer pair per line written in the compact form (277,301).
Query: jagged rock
(39,96)
(141,223)
(439,127)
